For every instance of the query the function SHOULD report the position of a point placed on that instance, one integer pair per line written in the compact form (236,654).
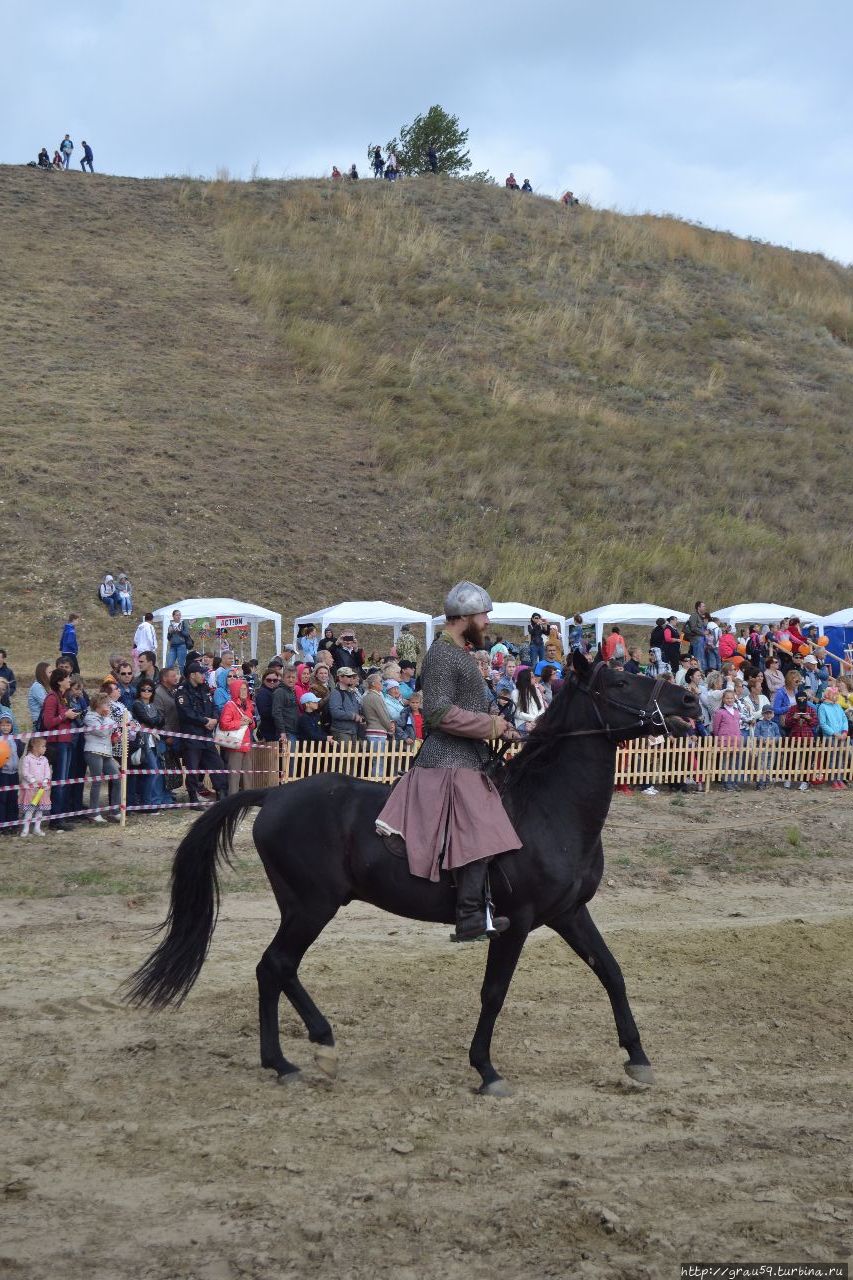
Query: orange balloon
(5,752)
(823,641)
(803,650)
(737,660)
(786,645)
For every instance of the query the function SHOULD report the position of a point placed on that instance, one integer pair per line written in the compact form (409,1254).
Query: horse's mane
(536,756)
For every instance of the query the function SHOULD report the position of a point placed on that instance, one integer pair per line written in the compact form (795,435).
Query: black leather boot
(474,917)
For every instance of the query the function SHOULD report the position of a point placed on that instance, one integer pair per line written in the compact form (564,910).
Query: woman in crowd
(38,691)
(78,701)
(151,720)
(694,682)
(785,698)
(57,718)
(238,713)
(756,695)
(527,701)
(774,680)
(394,704)
(98,755)
(179,639)
(267,732)
(546,681)
(303,681)
(746,708)
(321,686)
(307,641)
(711,696)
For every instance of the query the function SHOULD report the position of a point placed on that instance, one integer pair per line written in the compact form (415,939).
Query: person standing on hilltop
(88,157)
(66,146)
(432,156)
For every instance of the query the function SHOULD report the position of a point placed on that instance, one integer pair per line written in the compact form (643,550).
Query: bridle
(648,717)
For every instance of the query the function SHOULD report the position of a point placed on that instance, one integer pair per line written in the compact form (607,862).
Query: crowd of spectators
(764,684)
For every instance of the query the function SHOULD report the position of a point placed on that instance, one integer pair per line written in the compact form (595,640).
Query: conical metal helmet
(465,599)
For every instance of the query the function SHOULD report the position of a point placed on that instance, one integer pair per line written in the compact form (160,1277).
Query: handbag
(230,739)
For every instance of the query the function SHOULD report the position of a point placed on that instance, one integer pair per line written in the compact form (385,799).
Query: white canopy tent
(232,612)
(511,613)
(841,618)
(760,612)
(366,613)
(628,615)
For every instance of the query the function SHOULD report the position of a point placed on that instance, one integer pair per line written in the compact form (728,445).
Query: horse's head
(630,706)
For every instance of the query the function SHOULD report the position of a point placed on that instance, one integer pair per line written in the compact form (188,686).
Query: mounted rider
(446,810)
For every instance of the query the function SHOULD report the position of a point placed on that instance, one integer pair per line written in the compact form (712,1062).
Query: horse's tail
(167,976)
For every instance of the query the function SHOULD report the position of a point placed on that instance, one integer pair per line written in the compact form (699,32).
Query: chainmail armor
(451,677)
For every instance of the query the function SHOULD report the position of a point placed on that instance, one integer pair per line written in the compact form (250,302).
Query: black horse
(317,842)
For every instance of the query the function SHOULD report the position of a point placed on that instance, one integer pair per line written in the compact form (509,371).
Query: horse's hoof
(496,1089)
(640,1072)
(326,1058)
(288,1077)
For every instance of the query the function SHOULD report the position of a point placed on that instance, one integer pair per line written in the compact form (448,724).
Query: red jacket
(796,726)
(727,646)
(231,715)
(53,717)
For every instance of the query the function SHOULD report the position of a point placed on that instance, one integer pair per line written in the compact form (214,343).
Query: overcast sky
(736,114)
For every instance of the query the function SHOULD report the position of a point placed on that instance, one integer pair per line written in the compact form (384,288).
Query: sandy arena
(152,1145)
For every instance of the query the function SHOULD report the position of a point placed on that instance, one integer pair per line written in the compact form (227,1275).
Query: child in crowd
(767,731)
(35,786)
(98,750)
(8,774)
(725,726)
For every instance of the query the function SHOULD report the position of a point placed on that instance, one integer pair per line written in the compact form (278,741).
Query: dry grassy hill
(298,393)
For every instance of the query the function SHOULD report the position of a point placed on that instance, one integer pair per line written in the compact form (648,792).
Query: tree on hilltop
(440,129)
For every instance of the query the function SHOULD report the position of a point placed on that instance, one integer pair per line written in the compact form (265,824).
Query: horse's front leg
(576,927)
(504,953)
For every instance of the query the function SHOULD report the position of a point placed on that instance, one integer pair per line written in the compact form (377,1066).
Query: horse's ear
(580,665)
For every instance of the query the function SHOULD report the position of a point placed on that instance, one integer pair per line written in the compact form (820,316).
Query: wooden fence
(702,761)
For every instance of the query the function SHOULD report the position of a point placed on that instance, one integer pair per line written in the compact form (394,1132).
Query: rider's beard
(473,634)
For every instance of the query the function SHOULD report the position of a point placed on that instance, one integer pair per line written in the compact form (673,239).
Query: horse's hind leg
(277,973)
(577,928)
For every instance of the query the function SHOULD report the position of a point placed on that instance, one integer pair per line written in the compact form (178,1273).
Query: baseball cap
(345,671)
(193,667)
(767,711)
(392,684)
(308,697)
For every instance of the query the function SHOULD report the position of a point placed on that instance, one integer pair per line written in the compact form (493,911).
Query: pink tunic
(449,817)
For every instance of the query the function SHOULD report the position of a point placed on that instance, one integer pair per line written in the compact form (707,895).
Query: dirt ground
(152,1145)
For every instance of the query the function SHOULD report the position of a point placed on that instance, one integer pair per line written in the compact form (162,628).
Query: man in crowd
(285,710)
(444,810)
(345,706)
(197,715)
(164,698)
(126,686)
(145,637)
(148,668)
(346,653)
(88,158)
(694,633)
(551,659)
